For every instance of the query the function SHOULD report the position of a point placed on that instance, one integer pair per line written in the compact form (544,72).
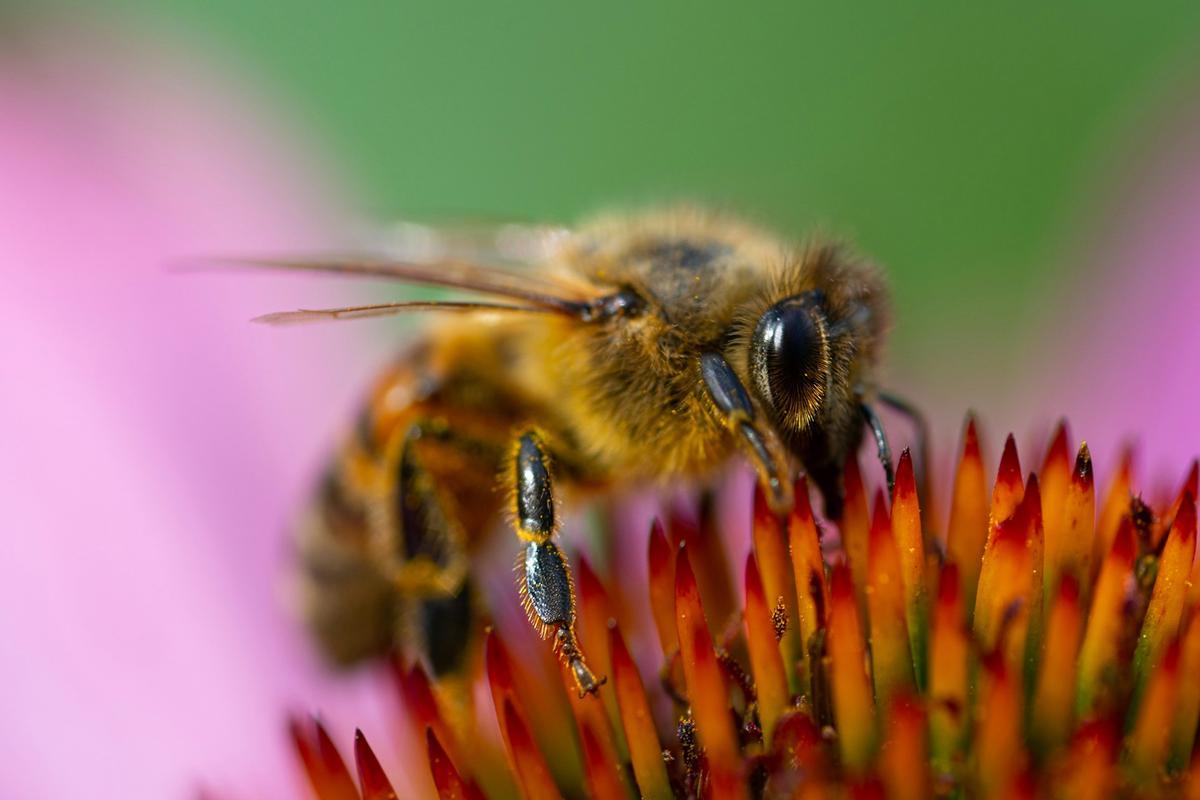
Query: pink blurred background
(155,442)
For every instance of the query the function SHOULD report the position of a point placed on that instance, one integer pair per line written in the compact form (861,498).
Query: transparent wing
(305,315)
(487,242)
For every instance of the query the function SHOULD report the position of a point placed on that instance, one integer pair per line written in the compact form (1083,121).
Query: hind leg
(385,551)
(441,494)
(545,579)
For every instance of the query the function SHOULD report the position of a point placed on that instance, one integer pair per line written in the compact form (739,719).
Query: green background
(964,145)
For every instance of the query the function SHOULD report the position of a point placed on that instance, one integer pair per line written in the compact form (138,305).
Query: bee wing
(449,273)
(304,315)
(482,241)
(466,256)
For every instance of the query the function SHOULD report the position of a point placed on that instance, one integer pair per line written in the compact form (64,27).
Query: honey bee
(637,349)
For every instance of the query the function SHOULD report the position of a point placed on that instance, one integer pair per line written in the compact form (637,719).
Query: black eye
(789,357)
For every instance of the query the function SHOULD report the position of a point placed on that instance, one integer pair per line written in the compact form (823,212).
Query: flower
(1039,647)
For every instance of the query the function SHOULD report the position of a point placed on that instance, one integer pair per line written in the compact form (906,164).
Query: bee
(636,349)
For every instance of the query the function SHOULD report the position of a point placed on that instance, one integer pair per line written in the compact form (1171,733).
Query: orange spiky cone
(968,526)
(765,661)
(910,546)
(638,723)
(853,706)
(1071,678)
(890,648)
(705,684)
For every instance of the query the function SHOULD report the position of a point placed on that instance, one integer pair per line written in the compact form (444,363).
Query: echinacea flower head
(1042,642)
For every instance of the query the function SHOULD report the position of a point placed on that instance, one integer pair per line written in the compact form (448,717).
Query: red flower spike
(1087,771)
(1160,626)
(595,610)
(998,731)
(866,789)
(533,776)
(1191,487)
(591,720)
(853,708)
(808,574)
(705,684)
(1187,703)
(498,663)
(801,756)
(498,666)
(450,784)
(600,765)
(422,705)
(1113,511)
(765,661)
(645,750)
(949,648)
(1009,488)
(770,551)
(326,771)
(968,525)
(855,527)
(1055,481)
(339,784)
(1151,737)
(903,761)
(1035,548)
(710,562)
(1192,602)
(1053,710)
(1022,786)
(1079,526)
(1192,781)
(306,751)
(1005,579)
(417,694)
(375,784)
(910,545)
(890,653)
(499,671)
(662,588)
(1099,655)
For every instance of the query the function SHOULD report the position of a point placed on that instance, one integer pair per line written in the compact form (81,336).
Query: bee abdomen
(348,605)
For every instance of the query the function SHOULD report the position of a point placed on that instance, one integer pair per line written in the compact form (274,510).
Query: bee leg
(418,540)
(921,426)
(445,627)
(881,444)
(420,546)
(734,409)
(545,582)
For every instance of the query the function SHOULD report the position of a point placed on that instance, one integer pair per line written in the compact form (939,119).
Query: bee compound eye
(788,356)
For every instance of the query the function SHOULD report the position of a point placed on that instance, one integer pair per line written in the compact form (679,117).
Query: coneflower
(1045,645)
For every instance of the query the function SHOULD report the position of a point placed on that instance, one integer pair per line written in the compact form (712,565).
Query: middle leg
(547,589)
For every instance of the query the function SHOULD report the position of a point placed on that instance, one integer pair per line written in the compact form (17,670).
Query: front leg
(731,406)
(882,448)
(547,590)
